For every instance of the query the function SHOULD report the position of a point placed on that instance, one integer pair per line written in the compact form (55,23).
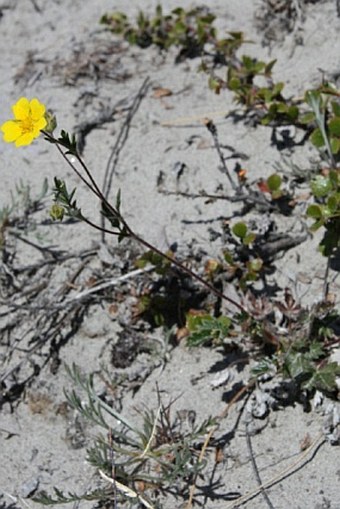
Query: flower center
(27,125)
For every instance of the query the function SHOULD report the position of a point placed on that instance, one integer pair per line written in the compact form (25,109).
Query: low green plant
(325,112)
(325,211)
(193,32)
(189,30)
(248,78)
(296,350)
(17,218)
(161,454)
(242,261)
(302,353)
(302,359)
(205,329)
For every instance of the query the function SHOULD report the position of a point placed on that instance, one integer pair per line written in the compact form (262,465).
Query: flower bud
(51,121)
(57,212)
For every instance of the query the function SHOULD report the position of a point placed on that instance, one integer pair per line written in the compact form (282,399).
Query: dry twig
(255,468)
(320,440)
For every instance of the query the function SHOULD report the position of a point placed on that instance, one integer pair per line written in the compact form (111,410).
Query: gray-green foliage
(159,452)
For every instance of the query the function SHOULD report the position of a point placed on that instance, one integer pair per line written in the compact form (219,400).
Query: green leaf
(160,263)
(293,112)
(298,364)
(277,194)
(334,126)
(264,366)
(179,11)
(159,11)
(327,213)
(214,84)
(336,108)
(282,107)
(180,27)
(317,225)
(64,198)
(68,142)
(234,83)
(255,265)
(317,139)
(321,186)
(205,328)
(324,378)
(249,239)
(314,211)
(274,182)
(334,177)
(266,119)
(238,36)
(313,99)
(267,94)
(278,87)
(332,204)
(335,145)
(258,67)
(228,257)
(316,351)
(240,230)
(109,214)
(269,67)
(307,118)
(248,62)
(60,498)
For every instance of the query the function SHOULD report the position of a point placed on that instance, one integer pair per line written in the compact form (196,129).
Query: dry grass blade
(225,412)
(282,475)
(128,492)
(107,284)
(255,468)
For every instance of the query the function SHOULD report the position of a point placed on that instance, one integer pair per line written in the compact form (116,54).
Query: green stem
(93,188)
(186,269)
(97,227)
(92,185)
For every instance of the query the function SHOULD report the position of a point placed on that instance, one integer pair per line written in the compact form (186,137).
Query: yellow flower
(29,119)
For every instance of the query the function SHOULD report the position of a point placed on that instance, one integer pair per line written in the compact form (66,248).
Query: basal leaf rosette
(29,120)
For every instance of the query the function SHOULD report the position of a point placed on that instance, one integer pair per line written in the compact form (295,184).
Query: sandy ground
(43,47)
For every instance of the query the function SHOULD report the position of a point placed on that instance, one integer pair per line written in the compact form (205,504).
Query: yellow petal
(21,109)
(37,109)
(37,126)
(11,131)
(41,123)
(25,139)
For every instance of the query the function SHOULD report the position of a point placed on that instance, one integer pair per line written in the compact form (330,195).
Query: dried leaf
(160,92)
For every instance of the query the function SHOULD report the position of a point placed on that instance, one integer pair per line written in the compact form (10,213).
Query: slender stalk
(319,109)
(94,188)
(213,131)
(97,227)
(186,269)
(92,185)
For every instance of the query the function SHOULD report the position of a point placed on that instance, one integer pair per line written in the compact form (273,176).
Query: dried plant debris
(43,301)
(277,18)
(31,70)
(97,60)
(127,347)
(94,60)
